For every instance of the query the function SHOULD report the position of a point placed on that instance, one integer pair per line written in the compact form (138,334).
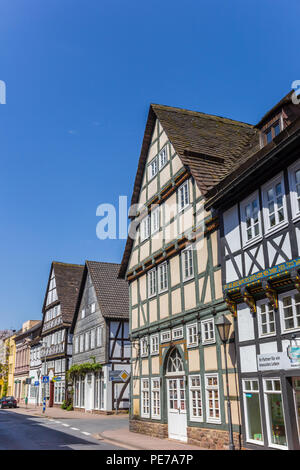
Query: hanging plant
(80,370)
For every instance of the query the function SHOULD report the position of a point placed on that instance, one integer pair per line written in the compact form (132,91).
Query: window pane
(276,420)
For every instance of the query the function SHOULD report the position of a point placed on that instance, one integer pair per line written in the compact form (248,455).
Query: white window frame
(266,392)
(87,341)
(83,313)
(186,196)
(93,307)
(293,189)
(145,390)
(271,184)
(155,220)
(177,333)
(154,344)
(190,265)
(93,338)
(192,388)
(248,201)
(153,168)
(210,419)
(145,228)
(269,308)
(144,345)
(163,163)
(99,340)
(162,271)
(213,338)
(195,334)
(76,345)
(152,283)
(251,390)
(157,391)
(81,343)
(168,336)
(281,310)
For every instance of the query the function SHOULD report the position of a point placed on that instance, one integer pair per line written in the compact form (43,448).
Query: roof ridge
(68,264)
(102,262)
(200,113)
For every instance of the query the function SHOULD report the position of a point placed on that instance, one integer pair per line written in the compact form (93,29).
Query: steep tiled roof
(68,279)
(112,293)
(208,145)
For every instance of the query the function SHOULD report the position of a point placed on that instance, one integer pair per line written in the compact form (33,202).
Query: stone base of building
(213,439)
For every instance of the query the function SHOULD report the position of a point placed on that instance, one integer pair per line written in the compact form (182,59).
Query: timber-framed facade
(174,272)
(259,213)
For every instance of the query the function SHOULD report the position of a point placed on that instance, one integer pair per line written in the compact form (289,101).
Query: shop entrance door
(296,389)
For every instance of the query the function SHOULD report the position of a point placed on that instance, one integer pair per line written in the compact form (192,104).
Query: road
(23,432)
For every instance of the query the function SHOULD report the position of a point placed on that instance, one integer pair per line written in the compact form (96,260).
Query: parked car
(9,402)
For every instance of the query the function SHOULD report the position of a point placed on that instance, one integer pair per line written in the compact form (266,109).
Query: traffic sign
(124,375)
(36,383)
(45,379)
(56,379)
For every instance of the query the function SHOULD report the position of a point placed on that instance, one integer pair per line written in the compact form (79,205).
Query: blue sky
(80,76)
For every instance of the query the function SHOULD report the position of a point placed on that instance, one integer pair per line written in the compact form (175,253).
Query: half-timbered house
(259,209)
(58,312)
(174,274)
(101,335)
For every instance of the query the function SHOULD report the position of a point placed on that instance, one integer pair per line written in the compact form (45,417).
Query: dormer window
(271,132)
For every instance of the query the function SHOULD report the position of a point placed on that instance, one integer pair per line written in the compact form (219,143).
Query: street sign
(118,375)
(36,383)
(45,379)
(56,379)
(124,375)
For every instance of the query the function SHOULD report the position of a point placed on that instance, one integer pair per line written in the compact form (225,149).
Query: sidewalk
(59,413)
(136,441)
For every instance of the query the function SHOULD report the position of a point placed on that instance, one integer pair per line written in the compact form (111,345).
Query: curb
(102,437)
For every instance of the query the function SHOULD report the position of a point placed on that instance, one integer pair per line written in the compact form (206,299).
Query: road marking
(85,433)
(75,429)
(67,425)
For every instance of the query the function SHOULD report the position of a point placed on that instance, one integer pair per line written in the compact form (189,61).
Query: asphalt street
(19,432)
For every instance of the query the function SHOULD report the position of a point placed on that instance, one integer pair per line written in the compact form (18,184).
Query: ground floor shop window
(212,399)
(82,392)
(59,392)
(155,398)
(274,413)
(99,392)
(296,389)
(145,398)
(252,411)
(196,413)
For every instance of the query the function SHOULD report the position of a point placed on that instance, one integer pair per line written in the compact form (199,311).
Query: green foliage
(78,370)
(64,405)
(70,407)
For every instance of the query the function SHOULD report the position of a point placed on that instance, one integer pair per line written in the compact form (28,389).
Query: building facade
(35,369)
(4,334)
(22,361)
(101,335)
(11,357)
(58,312)
(259,209)
(173,267)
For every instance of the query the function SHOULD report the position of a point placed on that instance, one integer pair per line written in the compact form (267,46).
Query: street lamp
(44,349)
(223,325)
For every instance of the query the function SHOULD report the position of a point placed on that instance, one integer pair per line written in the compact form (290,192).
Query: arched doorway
(176,396)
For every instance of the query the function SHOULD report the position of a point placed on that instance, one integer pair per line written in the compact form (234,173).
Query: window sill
(276,228)
(296,218)
(208,342)
(188,278)
(192,345)
(253,441)
(196,420)
(252,242)
(267,335)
